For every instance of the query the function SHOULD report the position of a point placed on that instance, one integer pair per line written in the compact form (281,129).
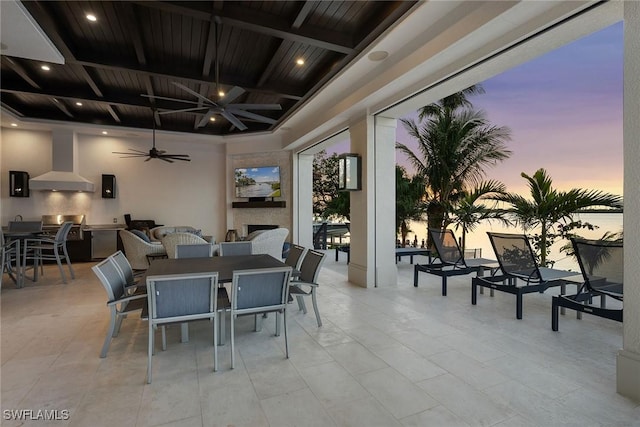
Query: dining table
(223,265)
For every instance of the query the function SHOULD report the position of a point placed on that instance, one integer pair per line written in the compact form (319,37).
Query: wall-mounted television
(261,181)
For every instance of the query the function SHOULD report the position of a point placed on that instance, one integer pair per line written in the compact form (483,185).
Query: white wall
(180,193)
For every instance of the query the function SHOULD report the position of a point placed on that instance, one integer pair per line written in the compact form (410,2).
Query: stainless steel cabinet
(103,243)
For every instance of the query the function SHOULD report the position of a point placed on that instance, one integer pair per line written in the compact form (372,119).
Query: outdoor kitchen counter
(104,239)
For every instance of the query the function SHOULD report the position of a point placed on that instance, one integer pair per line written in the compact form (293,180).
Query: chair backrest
(235,248)
(602,265)
(184,297)
(515,256)
(260,290)
(310,267)
(320,237)
(194,250)
(447,247)
(63,232)
(125,269)
(294,256)
(171,240)
(25,225)
(110,277)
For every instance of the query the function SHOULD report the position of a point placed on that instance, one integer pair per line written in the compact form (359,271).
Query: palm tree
(549,208)
(467,213)
(455,145)
(409,203)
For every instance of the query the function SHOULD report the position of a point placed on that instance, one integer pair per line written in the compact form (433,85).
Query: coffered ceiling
(125,63)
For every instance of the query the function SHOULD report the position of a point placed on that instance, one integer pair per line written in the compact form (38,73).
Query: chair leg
(233,333)
(164,337)
(64,278)
(215,342)
(221,331)
(301,304)
(110,332)
(149,352)
(286,341)
(277,324)
(66,255)
(315,306)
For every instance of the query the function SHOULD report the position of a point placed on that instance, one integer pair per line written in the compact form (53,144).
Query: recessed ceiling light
(104,132)
(91,17)
(79,104)
(378,55)
(300,61)
(220,93)
(15,125)
(212,119)
(45,67)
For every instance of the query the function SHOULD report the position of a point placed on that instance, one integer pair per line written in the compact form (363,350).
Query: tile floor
(396,356)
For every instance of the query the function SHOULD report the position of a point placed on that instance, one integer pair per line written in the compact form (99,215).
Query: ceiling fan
(153,153)
(224,107)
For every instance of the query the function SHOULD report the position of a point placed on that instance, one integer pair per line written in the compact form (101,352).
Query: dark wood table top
(224,265)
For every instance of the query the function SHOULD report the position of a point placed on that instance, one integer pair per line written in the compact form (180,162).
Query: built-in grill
(51,224)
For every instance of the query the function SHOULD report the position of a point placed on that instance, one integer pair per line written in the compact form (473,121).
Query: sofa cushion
(158,233)
(141,234)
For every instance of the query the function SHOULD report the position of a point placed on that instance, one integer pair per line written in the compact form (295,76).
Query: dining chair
(199,250)
(306,284)
(260,291)
(10,251)
(131,283)
(120,303)
(295,256)
(235,248)
(181,298)
(43,249)
(194,250)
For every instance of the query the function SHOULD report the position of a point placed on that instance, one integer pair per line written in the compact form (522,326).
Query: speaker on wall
(18,184)
(108,186)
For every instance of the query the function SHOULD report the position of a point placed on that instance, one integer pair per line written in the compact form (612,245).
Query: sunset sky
(565,113)
(564,110)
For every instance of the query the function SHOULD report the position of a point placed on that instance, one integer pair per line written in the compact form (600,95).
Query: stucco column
(302,200)
(628,366)
(373,208)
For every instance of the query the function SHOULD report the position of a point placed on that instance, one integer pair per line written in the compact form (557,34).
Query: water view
(611,222)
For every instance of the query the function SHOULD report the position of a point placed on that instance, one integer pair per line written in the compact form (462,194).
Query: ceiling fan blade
(206,118)
(254,116)
(165,159)
(169,99)
(193,92)
(149,158)
(270,107)
(141,153)
(131,156)
(233,120)
(235,92)
(184,110)
(175,158)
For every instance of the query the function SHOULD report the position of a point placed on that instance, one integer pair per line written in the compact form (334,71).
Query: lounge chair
(518,264)
(449,260)
(601,265)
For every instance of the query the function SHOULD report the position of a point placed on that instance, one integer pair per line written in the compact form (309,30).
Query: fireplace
(255,227)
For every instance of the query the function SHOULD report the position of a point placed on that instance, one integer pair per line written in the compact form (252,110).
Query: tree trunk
(435,219)
(543,245)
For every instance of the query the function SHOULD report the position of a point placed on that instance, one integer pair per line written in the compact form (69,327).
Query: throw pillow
(196,232)
(142,235)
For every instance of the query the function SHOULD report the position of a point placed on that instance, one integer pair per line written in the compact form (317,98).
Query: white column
(373,208)
(385,201)
(362,229)
(628,362)
(303,200)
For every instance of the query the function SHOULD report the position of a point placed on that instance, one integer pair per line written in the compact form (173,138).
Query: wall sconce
(349,172)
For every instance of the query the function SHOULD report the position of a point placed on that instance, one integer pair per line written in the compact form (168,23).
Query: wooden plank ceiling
(125,64)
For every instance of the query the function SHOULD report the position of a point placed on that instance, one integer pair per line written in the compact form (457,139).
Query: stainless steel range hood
(63,176)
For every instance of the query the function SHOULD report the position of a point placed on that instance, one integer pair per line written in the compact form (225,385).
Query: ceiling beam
(113,113)
(272,25)
(118,65)
(62,107)
(20,71)
(51,28)
(303,14)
